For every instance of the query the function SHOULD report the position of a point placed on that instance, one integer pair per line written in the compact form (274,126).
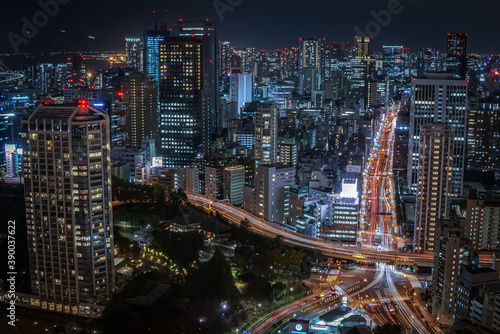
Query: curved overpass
(236,215)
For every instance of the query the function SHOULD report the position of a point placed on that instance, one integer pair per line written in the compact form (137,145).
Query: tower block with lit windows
(66,170)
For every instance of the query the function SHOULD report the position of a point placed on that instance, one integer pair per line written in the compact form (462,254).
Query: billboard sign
(297,326)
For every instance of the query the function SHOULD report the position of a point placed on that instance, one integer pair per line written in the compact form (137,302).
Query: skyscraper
(483,135)
(46,81)
(76,72)
(205,32)
(394,61)
(247,59)
(240,88)
(481,222)
(135,53)
(364,47)
(456,54)
(434,181)
(338,66)
(452,251)
(266,133)
(362,71)
(66,170)
(225,52)
(142,98)
(262,70)
(183,100)
(427,61)
(438,98)
(310,65)
(152,39)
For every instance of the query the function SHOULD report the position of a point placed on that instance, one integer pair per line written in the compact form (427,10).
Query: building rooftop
(82,112)
(335,314)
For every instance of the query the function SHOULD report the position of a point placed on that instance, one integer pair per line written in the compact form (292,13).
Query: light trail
(405,310)
(260,226)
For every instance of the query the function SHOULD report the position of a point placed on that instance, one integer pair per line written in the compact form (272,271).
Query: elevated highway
(257,225)
(236,215)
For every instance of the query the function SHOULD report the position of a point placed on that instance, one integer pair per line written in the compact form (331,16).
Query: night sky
(263,24)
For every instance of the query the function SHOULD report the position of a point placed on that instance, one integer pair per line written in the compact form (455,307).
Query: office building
(280,94)
(151,58)
(288,152)
(134,49)
(427,61)
(46,78)
(118,116)
(247,56)
(451,251)
(76,75)
(472,283)
(225,53)
(481,223)
(364,47)
(483,135)
(456,54)
(394,61)
(310,65)
(434,179)
(361,73)
(485,309)
(438,98)
(205,31)
(240,88)
(343,226)
(66,170)
(193,180)
(183,107)
(233,180)
(131,155)
(338,67)
(269,198)
(213,182)
(308,211)
(266,133)
(61,76)
(141,95)
(13,160)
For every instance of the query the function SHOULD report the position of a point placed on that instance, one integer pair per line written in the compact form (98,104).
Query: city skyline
(230,166)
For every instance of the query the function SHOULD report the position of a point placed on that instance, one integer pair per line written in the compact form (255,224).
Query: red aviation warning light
(120,94)
(83,103)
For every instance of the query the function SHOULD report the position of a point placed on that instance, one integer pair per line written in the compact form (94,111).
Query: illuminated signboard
(297,326)
(157,161)
(319,328)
